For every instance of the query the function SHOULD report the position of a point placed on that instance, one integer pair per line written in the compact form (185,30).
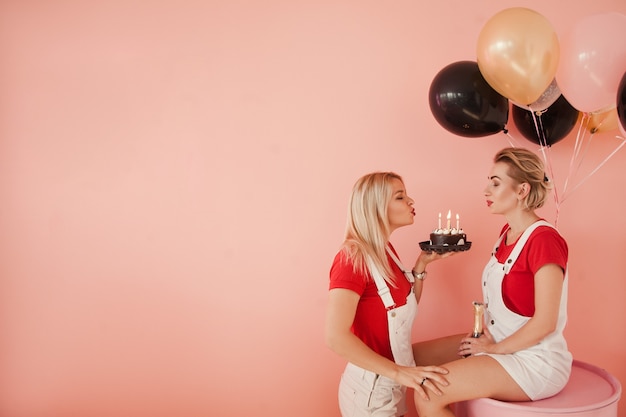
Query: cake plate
(427,247)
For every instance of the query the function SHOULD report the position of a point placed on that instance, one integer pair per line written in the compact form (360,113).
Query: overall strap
(510,261)
(407,272)
(383,289)
(381,285)
(500,239)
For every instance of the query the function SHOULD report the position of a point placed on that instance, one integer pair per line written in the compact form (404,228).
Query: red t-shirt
(544,246)
(370,322)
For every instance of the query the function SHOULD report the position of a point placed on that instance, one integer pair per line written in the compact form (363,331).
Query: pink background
(173,183)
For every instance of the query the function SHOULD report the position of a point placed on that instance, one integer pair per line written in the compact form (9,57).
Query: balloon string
(599,166)
(557,199)
(558,211)
(584,152)
(545,151)
(580,136)
(511,139)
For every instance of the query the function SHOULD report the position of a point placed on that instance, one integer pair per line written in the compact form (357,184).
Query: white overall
(363,393)
(541,370)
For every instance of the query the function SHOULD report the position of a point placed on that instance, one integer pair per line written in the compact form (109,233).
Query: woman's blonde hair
(526,167)
(367,229)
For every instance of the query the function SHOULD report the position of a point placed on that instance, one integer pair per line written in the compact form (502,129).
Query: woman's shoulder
(548,238)
(547,231)
(343,273)
(345,263)
(342,259)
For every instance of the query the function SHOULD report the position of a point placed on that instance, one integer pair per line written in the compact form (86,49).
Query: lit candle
(457,222)
(439,221)
(448,217)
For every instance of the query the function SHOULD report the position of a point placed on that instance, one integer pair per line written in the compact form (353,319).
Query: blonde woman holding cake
(372,303)
(522,354)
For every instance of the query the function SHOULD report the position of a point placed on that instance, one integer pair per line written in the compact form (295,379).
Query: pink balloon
(592,61)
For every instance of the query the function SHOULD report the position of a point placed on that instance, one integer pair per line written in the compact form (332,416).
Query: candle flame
(449,214)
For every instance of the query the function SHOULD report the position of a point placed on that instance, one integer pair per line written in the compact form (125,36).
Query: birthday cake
(448,237)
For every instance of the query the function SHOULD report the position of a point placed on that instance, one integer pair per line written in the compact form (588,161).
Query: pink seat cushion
(589,388)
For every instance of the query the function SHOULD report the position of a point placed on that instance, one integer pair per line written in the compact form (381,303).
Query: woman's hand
(423,378)
(473,345)
(425,258)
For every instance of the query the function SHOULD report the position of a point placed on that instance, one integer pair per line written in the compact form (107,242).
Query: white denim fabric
(541,370)
(363,393)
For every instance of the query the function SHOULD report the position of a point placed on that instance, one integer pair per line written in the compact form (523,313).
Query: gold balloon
(518,54)
(603,121)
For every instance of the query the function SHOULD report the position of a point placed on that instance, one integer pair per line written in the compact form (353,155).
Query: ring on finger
(424,380)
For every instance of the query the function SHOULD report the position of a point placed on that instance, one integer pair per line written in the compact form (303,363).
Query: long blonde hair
(367,229)
(526,167)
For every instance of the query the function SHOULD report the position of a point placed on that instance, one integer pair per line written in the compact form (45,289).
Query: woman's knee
(433,405)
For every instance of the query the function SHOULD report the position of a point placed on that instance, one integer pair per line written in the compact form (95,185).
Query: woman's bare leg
(437,351)
(473,377)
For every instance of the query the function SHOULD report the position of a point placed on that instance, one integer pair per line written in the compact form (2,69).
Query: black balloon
(549,126)
(465,104)
(621,102)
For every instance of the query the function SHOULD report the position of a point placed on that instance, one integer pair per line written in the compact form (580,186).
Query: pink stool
(590,392)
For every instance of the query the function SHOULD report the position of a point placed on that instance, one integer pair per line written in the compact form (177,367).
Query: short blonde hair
(526,167)
(367,228)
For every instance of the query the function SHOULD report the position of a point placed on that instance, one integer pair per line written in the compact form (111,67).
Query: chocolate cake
(448,237)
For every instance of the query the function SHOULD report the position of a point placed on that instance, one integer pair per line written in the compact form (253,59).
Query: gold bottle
(479,310)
